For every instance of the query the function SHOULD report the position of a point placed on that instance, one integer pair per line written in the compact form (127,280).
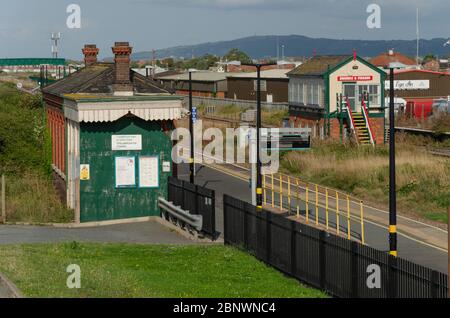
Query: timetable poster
(148,172)
(125,172)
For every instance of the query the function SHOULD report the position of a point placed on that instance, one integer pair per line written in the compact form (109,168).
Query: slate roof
(98,79)
(318,65)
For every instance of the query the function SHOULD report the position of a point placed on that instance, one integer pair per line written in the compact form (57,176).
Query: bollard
(349,234)
(3,185)
(337,213)
(264,189)
(281,192)
(273,193)
(298,199)
(307,203)
(326,209)
(289,194)
(317,205)
(363,240)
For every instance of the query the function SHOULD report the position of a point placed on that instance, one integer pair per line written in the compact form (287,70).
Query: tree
(237,55)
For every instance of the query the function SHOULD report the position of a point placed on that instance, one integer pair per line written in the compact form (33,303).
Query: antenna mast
(418,37)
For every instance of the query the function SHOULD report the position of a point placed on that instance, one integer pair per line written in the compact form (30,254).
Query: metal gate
(195,199)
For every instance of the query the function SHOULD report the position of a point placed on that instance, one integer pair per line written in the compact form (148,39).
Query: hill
(297,45)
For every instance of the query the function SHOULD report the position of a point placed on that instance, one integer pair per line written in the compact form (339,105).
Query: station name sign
(355,78)
(126,142)
(409,84)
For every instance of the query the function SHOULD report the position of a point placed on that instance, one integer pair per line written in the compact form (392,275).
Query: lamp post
(191,132)
(259,190)
(392,183)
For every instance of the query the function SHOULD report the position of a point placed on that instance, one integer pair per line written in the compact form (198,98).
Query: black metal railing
(341,267)
(195,199)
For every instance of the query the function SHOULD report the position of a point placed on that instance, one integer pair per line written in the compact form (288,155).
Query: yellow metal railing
(292,194)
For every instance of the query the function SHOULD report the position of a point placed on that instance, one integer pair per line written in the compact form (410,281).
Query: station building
(322,88)
(111,138)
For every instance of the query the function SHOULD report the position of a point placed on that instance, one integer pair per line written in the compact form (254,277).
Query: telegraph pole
(392,183)
(191,131)
(259,190)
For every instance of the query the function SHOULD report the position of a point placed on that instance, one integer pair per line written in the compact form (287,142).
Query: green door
(100,197)
(351,93)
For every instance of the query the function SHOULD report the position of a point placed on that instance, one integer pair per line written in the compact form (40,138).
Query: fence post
(326,209)
(268,236)
(3,185)
(393,276)
(354,269)
(225,220)
(448,234)
(322,259)
(293,250)
(317,205)
(434,284)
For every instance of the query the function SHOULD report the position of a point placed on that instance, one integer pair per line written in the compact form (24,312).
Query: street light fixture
(259,190)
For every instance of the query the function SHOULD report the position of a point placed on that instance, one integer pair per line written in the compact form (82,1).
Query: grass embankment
(423,180)
(118,270)
(25,158)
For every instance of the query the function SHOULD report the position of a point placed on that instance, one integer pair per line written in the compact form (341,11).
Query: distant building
(204,83)
(274,86)
(110,129)
(395,59)
(420,88)
(31,64)
(317,91)
(236,67)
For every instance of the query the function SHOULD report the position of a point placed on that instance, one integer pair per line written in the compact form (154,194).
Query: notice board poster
(148,172)
(125,172)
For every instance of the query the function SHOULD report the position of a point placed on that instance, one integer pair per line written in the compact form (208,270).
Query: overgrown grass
(25,159)
(423,181)
(118,270)
(31,198)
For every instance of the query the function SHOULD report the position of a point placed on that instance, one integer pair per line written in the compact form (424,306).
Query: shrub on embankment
(25,159)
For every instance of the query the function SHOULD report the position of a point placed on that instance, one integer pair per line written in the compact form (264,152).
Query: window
(263,85)
(372,90)
(300,92)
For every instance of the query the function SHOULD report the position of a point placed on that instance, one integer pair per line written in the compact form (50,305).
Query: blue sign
(194,114)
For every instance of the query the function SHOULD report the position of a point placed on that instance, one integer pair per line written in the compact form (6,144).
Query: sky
(25,25)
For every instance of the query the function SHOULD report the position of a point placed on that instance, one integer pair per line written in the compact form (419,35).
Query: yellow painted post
(264,189)
(307,203)
(273,193)
(289,194)
(363,240)
(317,204)
(281,192)
(298,199)
(337,214)
(349,233)
(326,209)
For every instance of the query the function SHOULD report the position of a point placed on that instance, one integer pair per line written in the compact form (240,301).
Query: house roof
(318,65)
(385,59)
(271,74)
(204,76)
(97,79)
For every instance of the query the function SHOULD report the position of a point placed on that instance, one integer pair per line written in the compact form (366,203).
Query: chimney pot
(122,82)
(90,52)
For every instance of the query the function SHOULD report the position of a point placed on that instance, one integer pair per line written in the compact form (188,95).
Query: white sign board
(166,166)
(125,172)
(409,84)
(126,142)
(148,172)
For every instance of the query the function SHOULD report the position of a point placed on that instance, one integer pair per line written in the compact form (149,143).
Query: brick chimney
(122,83)
(90,52)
